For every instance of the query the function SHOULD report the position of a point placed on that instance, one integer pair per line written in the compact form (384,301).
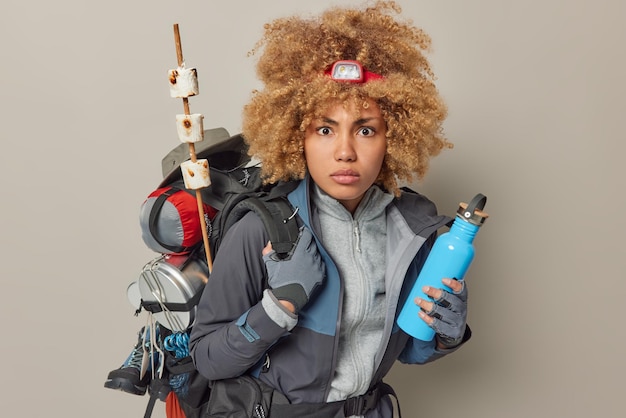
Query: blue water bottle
(450,257)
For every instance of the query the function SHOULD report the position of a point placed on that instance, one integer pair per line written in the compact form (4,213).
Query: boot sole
(125,386)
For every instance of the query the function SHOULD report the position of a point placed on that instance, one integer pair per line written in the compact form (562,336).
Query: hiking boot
(128,377)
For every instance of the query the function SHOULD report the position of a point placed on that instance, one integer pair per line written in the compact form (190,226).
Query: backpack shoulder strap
(277,215)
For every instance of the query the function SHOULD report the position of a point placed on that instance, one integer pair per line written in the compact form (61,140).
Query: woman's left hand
(446,313)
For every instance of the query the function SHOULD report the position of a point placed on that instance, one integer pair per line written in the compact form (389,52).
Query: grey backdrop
(536,94)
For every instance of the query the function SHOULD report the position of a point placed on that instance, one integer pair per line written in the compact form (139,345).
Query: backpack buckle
(360,404)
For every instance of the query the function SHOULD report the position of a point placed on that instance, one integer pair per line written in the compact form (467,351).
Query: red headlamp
(351,71)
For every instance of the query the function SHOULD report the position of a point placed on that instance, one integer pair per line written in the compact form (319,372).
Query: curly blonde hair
(296,53)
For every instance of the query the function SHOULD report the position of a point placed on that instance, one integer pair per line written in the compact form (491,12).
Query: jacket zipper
(357,236)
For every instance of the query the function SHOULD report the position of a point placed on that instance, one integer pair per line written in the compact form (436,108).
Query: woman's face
(344,151)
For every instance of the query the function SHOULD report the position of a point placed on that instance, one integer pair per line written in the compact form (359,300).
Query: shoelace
(135,358)
(152,343)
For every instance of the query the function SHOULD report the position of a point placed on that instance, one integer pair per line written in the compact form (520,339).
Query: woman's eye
(324,130)
(366,131)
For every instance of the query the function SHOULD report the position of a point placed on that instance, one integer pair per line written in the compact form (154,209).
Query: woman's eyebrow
(358,122)
(363,121)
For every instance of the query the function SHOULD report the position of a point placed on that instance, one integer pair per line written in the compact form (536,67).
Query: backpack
(170,286)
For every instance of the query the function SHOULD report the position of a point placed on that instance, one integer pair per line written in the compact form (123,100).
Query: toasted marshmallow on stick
(196,174)
(183,82)
(190,127)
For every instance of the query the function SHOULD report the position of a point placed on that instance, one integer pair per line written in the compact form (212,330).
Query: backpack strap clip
(359,405)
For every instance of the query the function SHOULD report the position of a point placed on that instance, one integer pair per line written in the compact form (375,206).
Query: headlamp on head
(351,71)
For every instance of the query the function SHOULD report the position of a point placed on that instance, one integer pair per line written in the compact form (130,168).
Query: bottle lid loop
(473,211)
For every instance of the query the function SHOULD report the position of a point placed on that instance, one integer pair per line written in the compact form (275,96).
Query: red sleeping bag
(169,219)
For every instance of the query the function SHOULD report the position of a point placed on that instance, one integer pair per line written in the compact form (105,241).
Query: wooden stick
(192,155)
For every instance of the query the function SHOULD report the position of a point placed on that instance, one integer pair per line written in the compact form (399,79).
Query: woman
(349,107)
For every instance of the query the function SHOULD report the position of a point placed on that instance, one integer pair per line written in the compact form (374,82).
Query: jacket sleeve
(232,330)
(420,352)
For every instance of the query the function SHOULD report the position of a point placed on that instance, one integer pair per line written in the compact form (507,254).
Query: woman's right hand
(294,279)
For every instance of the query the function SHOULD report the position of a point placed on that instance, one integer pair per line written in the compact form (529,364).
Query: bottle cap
(473,212)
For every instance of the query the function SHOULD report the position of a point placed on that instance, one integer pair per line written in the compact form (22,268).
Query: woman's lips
(345,176)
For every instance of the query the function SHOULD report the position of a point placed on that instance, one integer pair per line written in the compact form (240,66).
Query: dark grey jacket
(233,334)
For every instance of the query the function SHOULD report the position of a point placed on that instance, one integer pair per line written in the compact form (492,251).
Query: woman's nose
(344,148)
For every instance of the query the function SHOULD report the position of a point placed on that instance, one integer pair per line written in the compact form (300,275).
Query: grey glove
(449,315)
(295,278)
